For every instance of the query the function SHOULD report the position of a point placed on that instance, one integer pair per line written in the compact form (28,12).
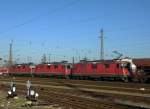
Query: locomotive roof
(54,63)
(99,61)
(136,61)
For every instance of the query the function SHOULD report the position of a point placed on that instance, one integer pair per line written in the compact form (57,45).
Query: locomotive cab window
(128,67)
(68,66)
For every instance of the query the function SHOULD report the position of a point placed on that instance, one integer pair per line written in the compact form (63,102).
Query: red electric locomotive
(123,69)
(53,70)
(113,69)
(21,69)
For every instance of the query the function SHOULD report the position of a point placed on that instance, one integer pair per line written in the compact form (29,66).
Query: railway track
(81,95)
(124,87)
(85,82)
(71,101)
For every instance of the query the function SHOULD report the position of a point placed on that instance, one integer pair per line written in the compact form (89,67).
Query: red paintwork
(20,69)
(88,69)
(58,69)
(3,70)
(100,69)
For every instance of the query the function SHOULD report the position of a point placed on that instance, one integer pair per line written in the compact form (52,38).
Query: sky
(62,29)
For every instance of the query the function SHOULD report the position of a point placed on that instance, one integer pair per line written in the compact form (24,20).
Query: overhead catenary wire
(40,16)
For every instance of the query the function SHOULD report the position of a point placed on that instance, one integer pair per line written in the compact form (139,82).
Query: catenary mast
(10,62)
(101,45)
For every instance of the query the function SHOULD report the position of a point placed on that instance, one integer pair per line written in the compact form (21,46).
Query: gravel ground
(20,102)
(65,94)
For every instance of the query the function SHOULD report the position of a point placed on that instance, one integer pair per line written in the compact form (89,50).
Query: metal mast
(73,60)
(101,45)
(10,62)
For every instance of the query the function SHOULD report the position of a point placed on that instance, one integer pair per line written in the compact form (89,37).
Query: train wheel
(125,79)
(67,77)
(143,80)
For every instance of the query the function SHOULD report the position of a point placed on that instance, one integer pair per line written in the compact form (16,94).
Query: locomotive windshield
(129,65)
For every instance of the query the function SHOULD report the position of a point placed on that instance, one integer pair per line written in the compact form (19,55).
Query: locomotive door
(67,70)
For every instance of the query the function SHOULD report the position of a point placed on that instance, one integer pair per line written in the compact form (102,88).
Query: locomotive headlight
(36,94)
(9,93)
(32,92)
(133,67)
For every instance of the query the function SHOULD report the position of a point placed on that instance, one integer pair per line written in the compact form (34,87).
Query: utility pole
(1,63)
(49,58)
(73,60)
(101,45)
(44,59)
(10,62)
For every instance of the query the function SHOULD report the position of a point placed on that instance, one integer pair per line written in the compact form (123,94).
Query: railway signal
(28,84)
(12,92)
(32,95)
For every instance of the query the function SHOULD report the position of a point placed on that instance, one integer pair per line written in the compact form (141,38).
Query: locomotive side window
(55,66)
(106,65)
(94,66)
(117,65)
(48,66)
